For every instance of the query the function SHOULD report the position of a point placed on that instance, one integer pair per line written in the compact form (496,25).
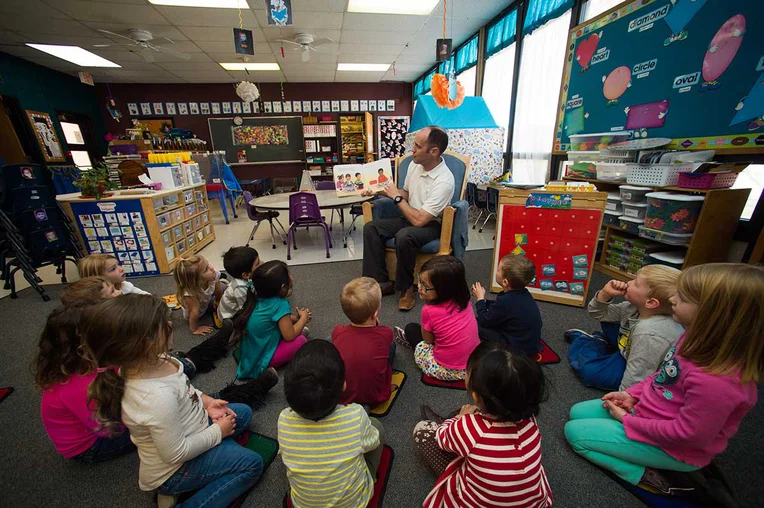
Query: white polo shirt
(432,190)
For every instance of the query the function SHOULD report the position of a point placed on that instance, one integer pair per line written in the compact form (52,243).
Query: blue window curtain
(501,34)
(467,55)
(445,67)
(418,88)
(541,11)
(428,81)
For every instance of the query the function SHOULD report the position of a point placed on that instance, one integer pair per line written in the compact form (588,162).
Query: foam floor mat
(399,378)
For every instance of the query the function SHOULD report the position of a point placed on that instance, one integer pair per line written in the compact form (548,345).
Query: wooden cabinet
(357,138)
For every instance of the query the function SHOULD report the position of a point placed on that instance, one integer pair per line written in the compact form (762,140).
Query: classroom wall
(39,88)
(225,92)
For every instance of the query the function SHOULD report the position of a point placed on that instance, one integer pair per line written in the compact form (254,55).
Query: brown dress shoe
(407,301)
(388,288)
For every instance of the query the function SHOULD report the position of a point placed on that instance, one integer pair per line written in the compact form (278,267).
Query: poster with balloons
(688,70)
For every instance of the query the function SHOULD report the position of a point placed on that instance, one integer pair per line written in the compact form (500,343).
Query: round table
(326,199)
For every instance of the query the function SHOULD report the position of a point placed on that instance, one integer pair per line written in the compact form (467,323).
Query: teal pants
(601,439)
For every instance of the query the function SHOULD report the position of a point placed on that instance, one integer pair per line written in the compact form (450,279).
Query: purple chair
(329,185)
(304,212)
(258,217)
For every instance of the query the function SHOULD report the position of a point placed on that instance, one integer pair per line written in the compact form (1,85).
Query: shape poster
(117,228)
(688,70)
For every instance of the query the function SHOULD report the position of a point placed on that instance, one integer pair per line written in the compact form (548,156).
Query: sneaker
(388,288)
(400,338)
(306,332)
(268,379)
(574,332)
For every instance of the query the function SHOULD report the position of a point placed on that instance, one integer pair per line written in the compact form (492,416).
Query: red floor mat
(4,392)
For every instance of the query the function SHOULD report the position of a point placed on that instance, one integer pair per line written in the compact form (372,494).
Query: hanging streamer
(446,90)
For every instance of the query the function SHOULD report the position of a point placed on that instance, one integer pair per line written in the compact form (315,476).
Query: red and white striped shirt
(497,464)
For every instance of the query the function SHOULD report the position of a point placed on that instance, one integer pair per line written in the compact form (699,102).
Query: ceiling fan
(142,40)
(306,43)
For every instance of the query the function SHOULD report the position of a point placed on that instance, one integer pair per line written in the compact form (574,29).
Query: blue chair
(455,225)
(221,184)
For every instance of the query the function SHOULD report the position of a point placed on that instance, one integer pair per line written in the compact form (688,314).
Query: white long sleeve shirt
(167,423)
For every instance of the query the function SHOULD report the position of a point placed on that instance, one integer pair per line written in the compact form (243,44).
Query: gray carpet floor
(33,474)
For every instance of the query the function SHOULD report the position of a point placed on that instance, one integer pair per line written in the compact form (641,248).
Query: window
(593,8)
(497,86)
(541,11)
(467,79)
(501,34)
(467,55)
(752,178)
(538,89)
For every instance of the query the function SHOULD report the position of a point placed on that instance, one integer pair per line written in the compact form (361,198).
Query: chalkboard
(271,139)
(689,70)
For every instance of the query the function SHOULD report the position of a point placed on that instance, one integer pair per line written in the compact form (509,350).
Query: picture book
(353,179)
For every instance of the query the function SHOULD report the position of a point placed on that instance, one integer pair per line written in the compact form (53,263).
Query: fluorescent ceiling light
(239,66)
(222,4)
(362,67)
(74,54)
(411,7)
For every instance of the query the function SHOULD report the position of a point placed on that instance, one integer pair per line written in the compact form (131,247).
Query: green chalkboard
(689,70)
(271,139)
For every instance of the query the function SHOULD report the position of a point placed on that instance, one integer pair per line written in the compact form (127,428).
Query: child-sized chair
(304,212)
(492,206)
(258,217)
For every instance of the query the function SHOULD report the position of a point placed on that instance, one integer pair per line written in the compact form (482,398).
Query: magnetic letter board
(561,242)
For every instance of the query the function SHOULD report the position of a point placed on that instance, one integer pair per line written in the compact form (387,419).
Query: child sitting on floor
(514,317)
(366,347)
(268,333)
(682,416)
(180,432)
(618,359)
(240,263)
(107,265)
(64,376)
(331,451)
(198,289)
(87,291)
(490,453)
(449,332)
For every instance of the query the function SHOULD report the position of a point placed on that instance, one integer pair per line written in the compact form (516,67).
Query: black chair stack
(36,232)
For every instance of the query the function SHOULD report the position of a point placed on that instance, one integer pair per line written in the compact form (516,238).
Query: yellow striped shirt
(324,459)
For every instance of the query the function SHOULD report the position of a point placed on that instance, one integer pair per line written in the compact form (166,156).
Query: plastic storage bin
(630,224)
(635,210)
(656,175)
(632,194)
(663,237)
(672,259)
(613,202)
(611,172)
(596,141)
(611,218)
(721,180)
(673,213)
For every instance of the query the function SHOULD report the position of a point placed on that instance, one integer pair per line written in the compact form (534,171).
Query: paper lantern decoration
(440,87)
(247,91)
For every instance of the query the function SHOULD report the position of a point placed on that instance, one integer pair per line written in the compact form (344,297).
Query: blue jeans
(597,360)
(221,474)
(106,448)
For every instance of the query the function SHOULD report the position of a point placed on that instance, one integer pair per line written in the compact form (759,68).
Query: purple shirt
(687,412)
(455,331)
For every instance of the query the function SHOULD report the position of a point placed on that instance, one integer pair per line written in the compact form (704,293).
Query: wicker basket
(656,175)
(721,180)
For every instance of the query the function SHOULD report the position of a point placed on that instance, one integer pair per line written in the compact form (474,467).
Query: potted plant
(94,182)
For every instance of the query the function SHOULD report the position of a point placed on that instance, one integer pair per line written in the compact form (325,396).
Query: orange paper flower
(439,88)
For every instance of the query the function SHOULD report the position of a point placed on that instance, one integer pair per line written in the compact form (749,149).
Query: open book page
(353,179)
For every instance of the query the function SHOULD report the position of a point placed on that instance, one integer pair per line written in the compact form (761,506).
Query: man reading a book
(427,191)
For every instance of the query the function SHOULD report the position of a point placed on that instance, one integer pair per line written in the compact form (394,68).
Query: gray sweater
(643,342)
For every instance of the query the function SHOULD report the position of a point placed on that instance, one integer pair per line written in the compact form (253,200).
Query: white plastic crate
(656,175)
(611,172)
(616,156)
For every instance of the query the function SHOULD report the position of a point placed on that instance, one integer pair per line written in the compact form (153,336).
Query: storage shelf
(184,220)
(606,182)
(617,229)
(613,272)
(329,136)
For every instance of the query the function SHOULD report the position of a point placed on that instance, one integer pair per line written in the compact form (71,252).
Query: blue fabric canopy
(501,34)
(472,114)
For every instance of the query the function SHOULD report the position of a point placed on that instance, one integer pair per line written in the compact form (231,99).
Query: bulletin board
(117,228)
(264,139)
(688,70)
(558,232)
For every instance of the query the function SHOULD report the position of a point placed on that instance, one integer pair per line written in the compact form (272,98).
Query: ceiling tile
(192,16)
(156,72)
(34,25)
(371,49)
(217,34)
(194,57)
(108,13)
(273,33)
(221,74)
(257,76)
(139,2)
(345,58)
(23,51)
(206,80)
(385,22)
(322,57)
(476,10)
(123,58)
(83,42)
(34,8)
(372,37)
(228,46)
(308,20)
(318,5)
(234,57)
(293,49)
(180,66)
(158,31)
(8,37)
(356,77)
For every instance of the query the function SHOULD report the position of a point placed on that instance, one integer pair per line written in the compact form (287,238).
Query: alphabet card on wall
(688,70)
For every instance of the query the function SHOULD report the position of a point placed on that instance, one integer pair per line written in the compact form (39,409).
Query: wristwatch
(398,199)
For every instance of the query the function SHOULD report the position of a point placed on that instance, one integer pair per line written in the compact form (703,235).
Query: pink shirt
(687,412)
(455,331)
(66,417)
